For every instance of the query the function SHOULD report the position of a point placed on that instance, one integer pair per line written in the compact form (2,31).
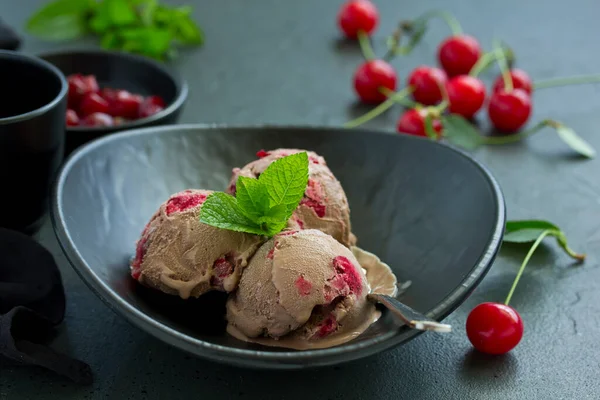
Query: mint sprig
(144,27)
(262,206)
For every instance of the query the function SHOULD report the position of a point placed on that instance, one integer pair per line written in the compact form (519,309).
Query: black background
(281,62)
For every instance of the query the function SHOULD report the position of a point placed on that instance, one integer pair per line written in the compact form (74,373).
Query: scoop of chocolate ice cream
(302,285)
(179,255)
(324,206)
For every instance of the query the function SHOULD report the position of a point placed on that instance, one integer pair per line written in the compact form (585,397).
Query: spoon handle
(410,317)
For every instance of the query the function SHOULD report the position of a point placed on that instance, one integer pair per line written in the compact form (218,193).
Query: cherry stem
(380,109)
(484,62)
(504,70)
(534,246)
(402,100)
(365,46)
(495,140)
(448,18)
(562,241)
(570,80)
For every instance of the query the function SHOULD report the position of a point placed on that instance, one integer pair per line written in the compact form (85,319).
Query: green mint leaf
(461,132)
(112,13)
(286,180)
(149,41)
(60,20)
(252,198)
(275,219)
(574,141)
(222,211)
(524,231)
(148,10)
(110,40)
(120,12)
(186,30)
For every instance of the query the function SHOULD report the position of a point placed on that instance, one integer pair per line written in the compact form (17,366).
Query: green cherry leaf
(527,231)
(461,132)
(286,180)
(574,141)
(222,211)
(524,231)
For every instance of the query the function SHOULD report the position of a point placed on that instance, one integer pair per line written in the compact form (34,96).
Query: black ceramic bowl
(118,70)
(32,136)
(434,214)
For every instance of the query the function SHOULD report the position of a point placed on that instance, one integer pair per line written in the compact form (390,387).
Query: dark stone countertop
(268,61)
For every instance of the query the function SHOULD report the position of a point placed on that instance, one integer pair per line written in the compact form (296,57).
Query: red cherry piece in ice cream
(328,326)
(262,153)
(349,274)
(318,208)
(304,287)
(184,202)
(270,253)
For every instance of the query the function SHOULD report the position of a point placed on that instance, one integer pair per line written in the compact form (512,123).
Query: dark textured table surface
(280,62)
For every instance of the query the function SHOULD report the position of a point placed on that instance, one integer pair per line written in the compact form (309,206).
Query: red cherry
(509,111)
(155,100)
(357,15)
(466,95)
(494,328)
(78,86)
(98,119)
(125,104)
(426,82)
(520,80)
(93,103)
(412,122)
(457,54)
(370,77)
(150,106)
(109,94)
(72,118)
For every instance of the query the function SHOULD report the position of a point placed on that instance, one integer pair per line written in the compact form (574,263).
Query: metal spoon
(410,317)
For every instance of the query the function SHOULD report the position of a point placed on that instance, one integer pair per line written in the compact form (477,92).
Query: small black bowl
(119,70)
(32,137)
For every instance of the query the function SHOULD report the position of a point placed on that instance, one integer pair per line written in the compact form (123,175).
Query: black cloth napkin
(32,303)
(9,39)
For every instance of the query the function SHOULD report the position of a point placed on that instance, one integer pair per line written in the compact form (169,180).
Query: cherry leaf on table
(527,231)
(574,141)
(223,211)
(461,132)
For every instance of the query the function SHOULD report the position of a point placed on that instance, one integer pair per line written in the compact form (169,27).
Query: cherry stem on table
(448,18)
(392,99)
(503,65)
(534,246)
(483,62)
(570,80)
(495,140)
(365,46)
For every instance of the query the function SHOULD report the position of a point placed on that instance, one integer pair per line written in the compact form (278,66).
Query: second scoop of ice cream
(303,284)
(324,205)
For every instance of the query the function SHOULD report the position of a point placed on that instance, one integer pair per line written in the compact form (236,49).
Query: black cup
(33,102)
